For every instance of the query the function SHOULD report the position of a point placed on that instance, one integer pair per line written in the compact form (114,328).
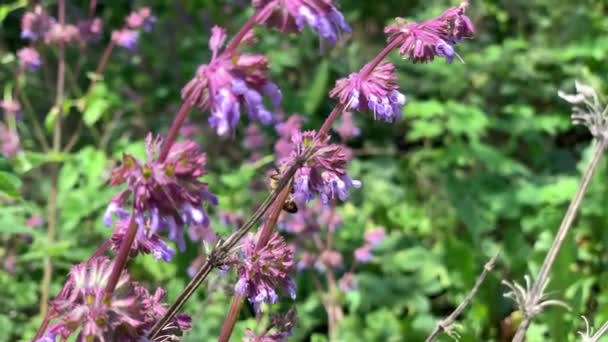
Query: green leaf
(318,88)
(8,8)
(9,185)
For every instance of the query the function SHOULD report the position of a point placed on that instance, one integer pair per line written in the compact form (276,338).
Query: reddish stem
(369,67)
(122,257)
(238,37)
(174,130)
(233,314)
(104,60)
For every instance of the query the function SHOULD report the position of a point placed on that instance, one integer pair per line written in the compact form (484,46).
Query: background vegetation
(485,161)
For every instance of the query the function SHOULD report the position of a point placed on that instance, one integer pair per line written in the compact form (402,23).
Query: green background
(485,160)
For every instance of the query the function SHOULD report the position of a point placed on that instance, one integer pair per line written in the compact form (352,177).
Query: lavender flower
(89,30)
(141,19)
(229,81)
(10,144)
(166,196)
(37,24)
(422,42)
(29,58)
(376,91)
(375,237)
(282,324)
(263,272)
(62,34)
(145,242)
(283,146)
(348,282)
(346,127)
(83,308)
(126,39)
(292,15)
(364,254)
(323,174)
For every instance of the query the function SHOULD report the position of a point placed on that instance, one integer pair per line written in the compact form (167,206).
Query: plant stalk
(536,292)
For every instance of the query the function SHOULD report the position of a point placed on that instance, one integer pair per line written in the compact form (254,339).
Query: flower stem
(122,257)
(242,33)
(230,321)
(52,204)
(174,130)
(263,238)
(537,289)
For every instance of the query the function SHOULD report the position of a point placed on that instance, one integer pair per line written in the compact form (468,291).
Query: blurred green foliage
(485,161)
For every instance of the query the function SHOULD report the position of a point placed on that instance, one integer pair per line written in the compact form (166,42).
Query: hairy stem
(446,324)
(231,318)
(537,289)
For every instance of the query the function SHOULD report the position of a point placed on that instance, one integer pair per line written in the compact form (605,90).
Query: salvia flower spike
(166,196)
(230,81)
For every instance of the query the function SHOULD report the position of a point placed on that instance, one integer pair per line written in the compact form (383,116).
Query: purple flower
(329,260)
(83,307)
(37,24)
(145,241)
(126,39)
(421,42)
(35,221)
(364,254)
(346,127)
(10,144)
(165,196)
(348,282)
(306,260)
(323,174)
(141,19)
(29,58)
(89,30)
(10,106)
(263,272)
(281,325)
(62,34)
(230,81)
(376,91)
(292,15)
(283,146)
(375,237)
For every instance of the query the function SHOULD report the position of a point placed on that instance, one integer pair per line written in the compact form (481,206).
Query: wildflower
(62,34)
(363,254)
(37,24)
(292,15)
(306,260)
(34,221)
(346,127)
(229,81)
(29,58)
(84,309)
(254,138)
(329,259)
(10,144)
(89,30)
(324,172)
(141,19)
(10,106)
(348,282)
(126,39)
(376,91)
(282,324)
(283,146)
(375,237)
(422,42)
(263,272)
(166,195)
(145,242)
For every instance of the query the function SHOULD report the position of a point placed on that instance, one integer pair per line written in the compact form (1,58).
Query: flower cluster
(84,309)
(231,80)
(292,15)
(286,129)
(324,172)
(372,238)
(282,324)
(376,90)
(10,143)
(346,127)
(422,42)
(167,195)
(127,37)
(263,271)
(37,24)
(29,58)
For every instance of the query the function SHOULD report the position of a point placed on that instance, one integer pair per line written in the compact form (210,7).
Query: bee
(289,205)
